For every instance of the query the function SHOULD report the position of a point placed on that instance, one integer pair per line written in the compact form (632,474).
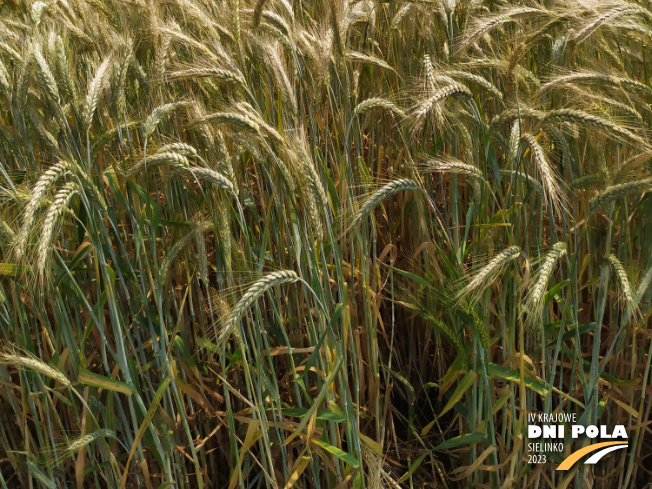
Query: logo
(552,430)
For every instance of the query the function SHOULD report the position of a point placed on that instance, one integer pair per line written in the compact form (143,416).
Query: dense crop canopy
(300,243)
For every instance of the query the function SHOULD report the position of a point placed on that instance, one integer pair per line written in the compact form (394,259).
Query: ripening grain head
(481,279)
(250,297)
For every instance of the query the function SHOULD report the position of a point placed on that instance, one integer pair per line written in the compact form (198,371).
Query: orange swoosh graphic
(575,456)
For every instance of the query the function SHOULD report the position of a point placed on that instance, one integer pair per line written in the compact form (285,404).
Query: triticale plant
(323,244)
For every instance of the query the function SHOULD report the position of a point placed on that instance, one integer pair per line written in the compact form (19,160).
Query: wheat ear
(230,118)
(364,58)
(251,296)
(581,117)
(615,192)
(511,115)
(197,231)
(309,171)
(177,160)
(36,198)
(277,23)
(212,176)
(181,148)
(514,144)
(591,76)
(13,54)
(63,68)
(4,78)
(121,80)
(37,473)
(45,75)
(643,286)
(623,284)
(157,114)
(538,289)
(30,363)
(220,74)
(226,162)
(7,235)
(595,179)
(452,165)
(84,441)
(444,328)
(374,103)
(591,27)
(489,272)
(249,112)
(487,25)
(478,80)
(56,210)
(551,187)
(381,194)
(423,107)
(95,88)
(258,10)
(224,231)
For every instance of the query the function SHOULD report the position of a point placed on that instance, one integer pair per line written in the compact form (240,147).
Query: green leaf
(412,276)
(12,269)
(320,397)
(341,454)
(145,425)
(458,441)
(321,415)
(96,380)
(513,376)
(585,328)
(555,289)
(467,381)
(415,465)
